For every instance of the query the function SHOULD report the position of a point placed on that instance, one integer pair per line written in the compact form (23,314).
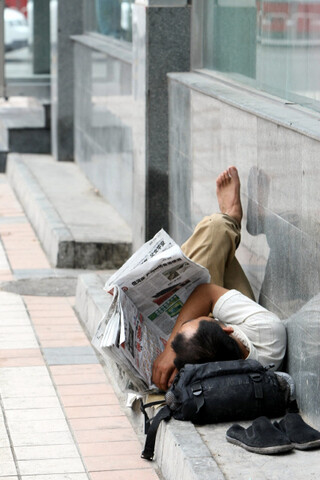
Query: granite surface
(280,196)
(69,22)
(104,119)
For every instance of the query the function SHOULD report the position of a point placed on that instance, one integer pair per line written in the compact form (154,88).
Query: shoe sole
(307,445)
(262,450)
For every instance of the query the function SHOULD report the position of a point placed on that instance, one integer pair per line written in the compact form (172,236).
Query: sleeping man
(220,320)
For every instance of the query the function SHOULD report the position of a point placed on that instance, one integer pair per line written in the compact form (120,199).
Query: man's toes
(226,176)
(220,180)
(233,172)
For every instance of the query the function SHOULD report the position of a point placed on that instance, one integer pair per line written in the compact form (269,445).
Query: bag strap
(257,379)
(143,406)
(148,451)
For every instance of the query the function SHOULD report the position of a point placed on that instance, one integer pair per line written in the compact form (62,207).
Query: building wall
(276,149)
(104,119)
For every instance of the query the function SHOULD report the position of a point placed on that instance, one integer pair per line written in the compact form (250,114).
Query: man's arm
(199,304)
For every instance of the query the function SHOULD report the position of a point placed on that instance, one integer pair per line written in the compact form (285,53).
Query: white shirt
(261,332)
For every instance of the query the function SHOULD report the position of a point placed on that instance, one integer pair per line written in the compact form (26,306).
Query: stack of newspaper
(148,293)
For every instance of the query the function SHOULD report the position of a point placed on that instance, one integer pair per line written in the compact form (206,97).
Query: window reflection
(110,17)
(273,45)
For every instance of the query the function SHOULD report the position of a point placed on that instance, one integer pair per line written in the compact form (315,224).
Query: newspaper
(148,292)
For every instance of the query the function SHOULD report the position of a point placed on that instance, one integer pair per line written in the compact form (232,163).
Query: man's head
(204,340)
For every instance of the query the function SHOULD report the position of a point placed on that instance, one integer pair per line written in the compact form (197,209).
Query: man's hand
(164,371)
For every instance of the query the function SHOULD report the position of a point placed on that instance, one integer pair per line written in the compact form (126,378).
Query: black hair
(210,343)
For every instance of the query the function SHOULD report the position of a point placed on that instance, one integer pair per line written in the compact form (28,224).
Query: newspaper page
(148,294)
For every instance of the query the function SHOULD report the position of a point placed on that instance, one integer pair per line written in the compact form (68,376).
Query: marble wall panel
(280,195)
(103,125)
(180,167)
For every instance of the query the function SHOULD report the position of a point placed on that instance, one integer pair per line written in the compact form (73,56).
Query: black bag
(218,392)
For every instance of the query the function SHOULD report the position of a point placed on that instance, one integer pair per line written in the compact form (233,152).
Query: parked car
(16,29)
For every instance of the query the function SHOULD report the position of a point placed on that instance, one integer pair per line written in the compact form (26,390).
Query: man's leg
(216,238)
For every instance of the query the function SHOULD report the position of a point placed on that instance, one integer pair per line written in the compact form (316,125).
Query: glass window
(109,17)
(273,45)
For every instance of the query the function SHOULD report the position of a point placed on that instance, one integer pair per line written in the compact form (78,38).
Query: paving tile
(30,402)
(23,382)
(24,377)
(57,476)
(84,379)
(7,298)
(18,342)
(132,447)
(7,468)
(46,438)
(95,388)
(100,423)
(96,411)
(67,337)
(27,392)
(47,466)
(20,353)
(36,303)
(45,452)
(5,455)
(23,361)
(51,311)
(35,414)
(43,443)
(115,462)
(58,329)
(12,308)
(37,426)
(75,370)
(76,360)
(21,320)
(7,465)
(89,400)
(4,441)
(147,474)
(107,435)
(15,315)
(70,355)
(65,343)
(47,321)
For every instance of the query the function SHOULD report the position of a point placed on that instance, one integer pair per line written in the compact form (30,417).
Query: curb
(61,241)
(180,452)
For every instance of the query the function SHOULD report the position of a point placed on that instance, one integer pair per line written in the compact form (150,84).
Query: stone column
(69,21)
(41,36)
(161,44)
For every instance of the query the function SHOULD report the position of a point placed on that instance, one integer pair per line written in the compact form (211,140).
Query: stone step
(184,451)
(75,225)
(24,127)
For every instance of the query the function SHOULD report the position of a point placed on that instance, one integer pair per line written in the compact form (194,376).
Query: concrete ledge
(184,451)
(180,451)
(106,44)
(76,227)
(261,104)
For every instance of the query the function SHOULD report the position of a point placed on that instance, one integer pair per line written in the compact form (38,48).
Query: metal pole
(2,52)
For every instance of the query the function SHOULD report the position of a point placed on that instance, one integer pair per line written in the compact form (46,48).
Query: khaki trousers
(213,244)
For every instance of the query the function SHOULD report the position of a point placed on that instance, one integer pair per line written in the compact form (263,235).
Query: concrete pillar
(41,36)
(69,21)
(161,44)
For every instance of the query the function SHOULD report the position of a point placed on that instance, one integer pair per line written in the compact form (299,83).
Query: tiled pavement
(60,418)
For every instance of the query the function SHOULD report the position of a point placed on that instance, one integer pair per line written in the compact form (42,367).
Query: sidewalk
(60,417)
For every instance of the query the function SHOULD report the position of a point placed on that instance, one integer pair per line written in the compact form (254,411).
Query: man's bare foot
(228,193)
